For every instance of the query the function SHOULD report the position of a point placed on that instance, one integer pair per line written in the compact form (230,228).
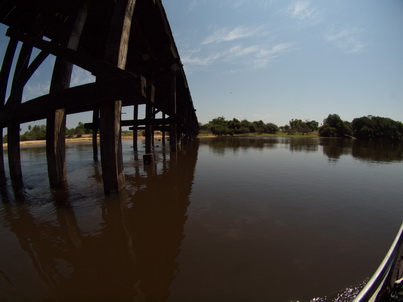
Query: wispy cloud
(303,11)
(231,34)
(253,56)
(348,40)
(38,86)
(80,77)
(196,59)
(35,89)
(192,5)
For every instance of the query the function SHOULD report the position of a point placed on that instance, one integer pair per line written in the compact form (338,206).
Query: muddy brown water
(231,219)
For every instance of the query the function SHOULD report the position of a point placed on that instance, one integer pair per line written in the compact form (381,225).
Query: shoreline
(127,137)
(68,140)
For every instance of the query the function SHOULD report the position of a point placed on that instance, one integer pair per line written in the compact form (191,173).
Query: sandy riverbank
(68,140)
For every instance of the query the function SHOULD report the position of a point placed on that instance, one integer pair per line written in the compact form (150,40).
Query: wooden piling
(95,127)
(135,118)
(13,131)
(163,131)
(148,141)
(110,113)
(56,121)
(4,76)
(173,127)
(148,158)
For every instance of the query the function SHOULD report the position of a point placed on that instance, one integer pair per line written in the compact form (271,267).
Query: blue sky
(275,60)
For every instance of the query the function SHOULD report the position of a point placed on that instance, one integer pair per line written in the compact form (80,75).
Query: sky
(277,60)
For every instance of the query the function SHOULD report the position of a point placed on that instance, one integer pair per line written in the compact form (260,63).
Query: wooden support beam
(77,99)
(148,142)
(139,122)
(97,67)
(173,128)
(110,113)
(135,123)
(4,76)
(95,123)
(13,132)
(155,128)
(56,121)
(163,132)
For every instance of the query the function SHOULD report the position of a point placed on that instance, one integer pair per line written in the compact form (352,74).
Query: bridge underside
(126,44)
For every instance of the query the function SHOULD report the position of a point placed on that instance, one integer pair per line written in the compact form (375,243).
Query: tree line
(221,126)
(366,127)
(38,132)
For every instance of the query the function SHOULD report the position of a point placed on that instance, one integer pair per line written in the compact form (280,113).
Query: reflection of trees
(220,145)
(131,256)
(378,150)
(335,148)
(366,150)
(304,145)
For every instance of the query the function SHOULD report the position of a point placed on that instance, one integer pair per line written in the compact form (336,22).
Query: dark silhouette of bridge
(126,44)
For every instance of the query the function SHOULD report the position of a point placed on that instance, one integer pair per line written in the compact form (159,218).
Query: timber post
(95,127)
(110,113)
(172,124)
(13,131)
(135,118)
(149,130)
(163,130)
(4,76)
(56,121)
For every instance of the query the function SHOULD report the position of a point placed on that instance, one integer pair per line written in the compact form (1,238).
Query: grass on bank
(277,134)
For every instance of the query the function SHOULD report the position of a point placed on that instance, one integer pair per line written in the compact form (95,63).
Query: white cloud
(80,77)
(225,34)
(303,11)
(35,89)
(190,59)
(253,56)
(347,40)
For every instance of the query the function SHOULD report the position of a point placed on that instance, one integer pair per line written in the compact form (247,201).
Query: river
(221,219)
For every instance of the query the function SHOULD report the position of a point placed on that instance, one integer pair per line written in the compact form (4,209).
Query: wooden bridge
(126,44)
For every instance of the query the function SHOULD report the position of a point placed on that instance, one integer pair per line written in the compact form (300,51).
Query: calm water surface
(273,219)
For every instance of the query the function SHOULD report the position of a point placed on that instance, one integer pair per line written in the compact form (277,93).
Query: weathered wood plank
(95,127)
(4,76)
(149,130)
(77,99)
(139,122)
(13,132)
(173,128)
(110,113)
(56,120)
(134,123)
(97,67)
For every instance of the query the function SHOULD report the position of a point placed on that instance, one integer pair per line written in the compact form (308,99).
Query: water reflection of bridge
(131,254)
(126,44)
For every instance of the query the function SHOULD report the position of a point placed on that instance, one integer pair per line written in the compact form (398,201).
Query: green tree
(258,126)
(271,128)
(35,133)
(377,127)
(313,125)
(333,126)
(246,126)
(219,126)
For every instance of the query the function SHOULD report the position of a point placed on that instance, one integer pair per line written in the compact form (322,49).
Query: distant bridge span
(126,44)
